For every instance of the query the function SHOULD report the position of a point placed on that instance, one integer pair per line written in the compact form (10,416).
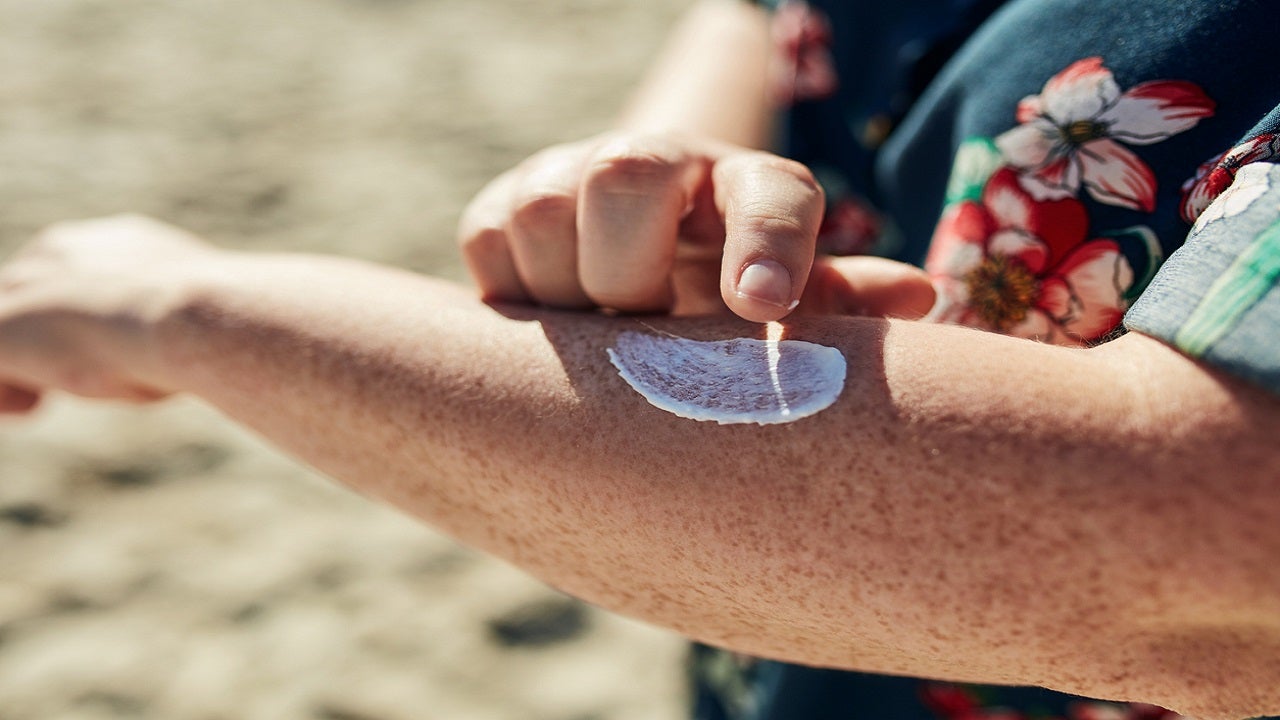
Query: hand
(670,224)
(79,307)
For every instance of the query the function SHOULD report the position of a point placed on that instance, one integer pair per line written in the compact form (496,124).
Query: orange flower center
(1082,131)
(1001,291)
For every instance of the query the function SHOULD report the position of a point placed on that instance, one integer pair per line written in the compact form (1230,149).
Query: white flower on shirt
(1251,182)
(1071,134)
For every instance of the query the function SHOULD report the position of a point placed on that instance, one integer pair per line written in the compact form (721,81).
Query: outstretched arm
(972,507)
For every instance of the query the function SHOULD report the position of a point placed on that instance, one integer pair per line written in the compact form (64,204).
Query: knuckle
(783,175)
(481,243)
(637,163)
(798,171)
(544,208)
(552,155)
(474,227)
(775,223)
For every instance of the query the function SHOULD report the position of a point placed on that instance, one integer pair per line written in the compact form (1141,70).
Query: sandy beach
(161,563)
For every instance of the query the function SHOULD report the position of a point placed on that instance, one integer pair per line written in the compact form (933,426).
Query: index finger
(772,209)
(635,191)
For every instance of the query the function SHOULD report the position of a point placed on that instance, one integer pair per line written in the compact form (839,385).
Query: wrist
(178,326)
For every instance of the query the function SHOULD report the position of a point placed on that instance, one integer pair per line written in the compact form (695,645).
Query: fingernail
(767,281)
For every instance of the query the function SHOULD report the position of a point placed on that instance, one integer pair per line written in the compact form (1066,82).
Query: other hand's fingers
(482,238)
(542,229)
(864,285)
(635,191)
(772,208)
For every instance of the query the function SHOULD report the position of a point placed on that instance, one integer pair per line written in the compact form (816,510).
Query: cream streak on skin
(731,382)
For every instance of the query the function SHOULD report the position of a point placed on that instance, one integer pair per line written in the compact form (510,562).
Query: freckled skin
(973,507)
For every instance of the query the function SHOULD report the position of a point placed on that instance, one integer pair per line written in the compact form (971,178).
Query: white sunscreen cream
(735,381)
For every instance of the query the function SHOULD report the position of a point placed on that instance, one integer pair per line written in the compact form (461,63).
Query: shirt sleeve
(1217,298)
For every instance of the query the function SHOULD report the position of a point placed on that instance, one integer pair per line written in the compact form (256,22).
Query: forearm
(710,78)
(942,518)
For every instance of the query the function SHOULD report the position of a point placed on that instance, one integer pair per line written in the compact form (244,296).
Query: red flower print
(1071,134)
(850,227)
(949,701)
(954,702)
(1015,265)
(1217,174)
(802,67)
(1126,711)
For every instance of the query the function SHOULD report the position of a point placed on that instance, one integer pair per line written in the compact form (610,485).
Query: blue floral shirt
(1065,170)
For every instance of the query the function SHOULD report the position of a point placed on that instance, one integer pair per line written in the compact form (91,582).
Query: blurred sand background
(159,562)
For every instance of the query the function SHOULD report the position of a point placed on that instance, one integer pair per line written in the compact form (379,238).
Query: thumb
(864,285)
(772,209)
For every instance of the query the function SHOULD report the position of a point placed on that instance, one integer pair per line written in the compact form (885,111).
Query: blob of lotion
(736,381)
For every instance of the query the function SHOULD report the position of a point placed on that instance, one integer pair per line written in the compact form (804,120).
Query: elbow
(1199,629)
